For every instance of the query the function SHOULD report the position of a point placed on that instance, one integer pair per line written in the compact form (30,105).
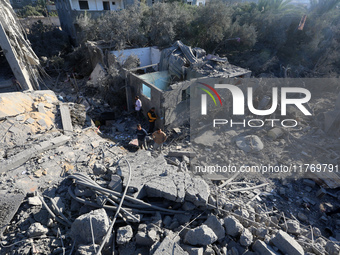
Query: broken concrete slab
(16,103)
(207,138)
(173,153)
(66,117)
(23,156)
(163,180)
(9,204)
(287,244)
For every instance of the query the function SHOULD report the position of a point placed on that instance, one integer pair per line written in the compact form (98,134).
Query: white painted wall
(97,5)
(147,56)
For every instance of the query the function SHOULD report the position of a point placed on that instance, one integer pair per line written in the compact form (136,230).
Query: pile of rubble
(68,189)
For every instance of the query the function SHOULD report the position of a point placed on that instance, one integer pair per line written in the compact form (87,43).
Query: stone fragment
(142,238)
(169,247)
(202,235)
(197,192)
(192,250)
(116,183)
(124,234)
(261,232)
(302,217)
(36,229)
(188,206)
(34,201)
(249,143)
(246,238)
(262,248)
(293,227)
(232,226)
(214,223)
(81,228)
(287,244)
(99,169)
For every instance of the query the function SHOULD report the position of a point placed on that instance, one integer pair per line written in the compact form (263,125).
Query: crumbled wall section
(19,54)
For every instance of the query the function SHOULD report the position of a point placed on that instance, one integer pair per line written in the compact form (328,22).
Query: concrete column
(19,72)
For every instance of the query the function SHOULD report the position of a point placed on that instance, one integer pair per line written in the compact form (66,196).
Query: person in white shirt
(138,108)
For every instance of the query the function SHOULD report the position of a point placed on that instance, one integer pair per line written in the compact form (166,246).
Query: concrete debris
(202,235)
(264,249)
(287,244)
(246,238)
(232,226)
(17,49)
(332,248)
(99,169)
(87,249)
(293,227)
(81,227)
(168,209)
(192,250)
(116,183)
(215,224)
(34,201)
(249,143)
(36,229)
(164,181)
(66,118)
(124,234)
(169,247)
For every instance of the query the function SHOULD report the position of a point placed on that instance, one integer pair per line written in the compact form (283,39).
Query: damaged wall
(147,56)
(19,54)
(136,85)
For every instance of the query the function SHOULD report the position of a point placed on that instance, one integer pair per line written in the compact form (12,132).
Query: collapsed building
(66,187)
(165,84)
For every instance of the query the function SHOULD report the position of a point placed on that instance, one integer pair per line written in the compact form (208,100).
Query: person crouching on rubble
(141,134)
(152,117)
(159,137)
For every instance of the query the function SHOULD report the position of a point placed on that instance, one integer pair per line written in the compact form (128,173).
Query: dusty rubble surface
(60,190)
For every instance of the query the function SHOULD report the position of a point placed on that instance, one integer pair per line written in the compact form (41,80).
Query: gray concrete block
(201,236)
(246,238)
(116,183)
(169,247)
(287,244)
(81,228)
(232,226)
(263,249)
(214,223)
(66,117)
